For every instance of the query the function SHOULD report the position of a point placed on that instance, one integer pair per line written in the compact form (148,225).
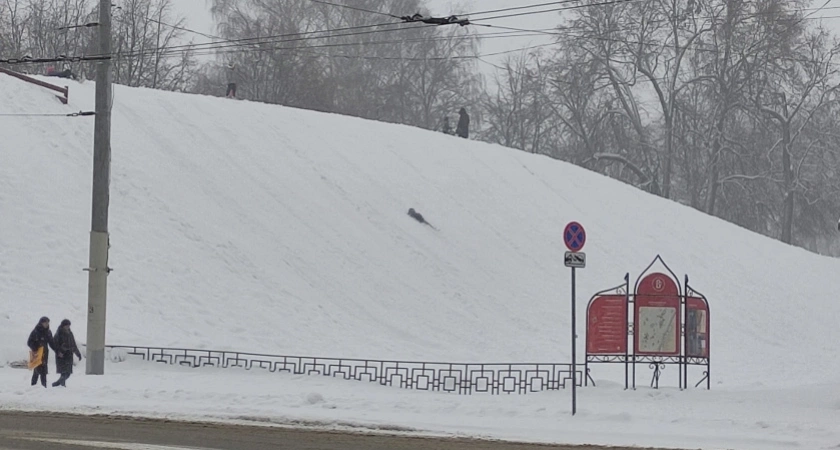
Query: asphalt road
(45,431)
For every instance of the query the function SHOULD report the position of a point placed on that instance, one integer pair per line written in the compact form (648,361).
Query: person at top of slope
(65,73)
(65,348)
(41,339)
(447,128)
(463,129)
(232,77)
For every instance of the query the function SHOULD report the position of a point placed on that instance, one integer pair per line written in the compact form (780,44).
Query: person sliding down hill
(419,217)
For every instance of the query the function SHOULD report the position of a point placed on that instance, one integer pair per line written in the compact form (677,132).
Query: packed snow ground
(238,225)
(749,419)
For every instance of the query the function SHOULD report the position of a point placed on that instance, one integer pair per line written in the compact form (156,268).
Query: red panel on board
(696,328)
(606,326)
(657,316)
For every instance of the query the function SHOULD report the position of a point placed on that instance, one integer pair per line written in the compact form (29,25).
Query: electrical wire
(261,45)
(277,39)
(281,37)
(262,41)
(492,35)
(355,8)
(517,8)
(565,8)
(27,60)
(76,114)
(247,43)
(695,46)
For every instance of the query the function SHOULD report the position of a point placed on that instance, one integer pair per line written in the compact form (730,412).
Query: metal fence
(457,378)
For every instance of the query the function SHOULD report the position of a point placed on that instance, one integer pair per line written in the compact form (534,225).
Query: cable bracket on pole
(84,25)
(451,20)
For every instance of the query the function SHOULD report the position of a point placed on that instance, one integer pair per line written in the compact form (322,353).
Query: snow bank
(749,419)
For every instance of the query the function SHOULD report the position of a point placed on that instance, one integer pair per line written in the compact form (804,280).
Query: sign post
(574,236)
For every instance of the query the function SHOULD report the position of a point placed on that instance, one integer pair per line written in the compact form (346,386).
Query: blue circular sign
(574,236)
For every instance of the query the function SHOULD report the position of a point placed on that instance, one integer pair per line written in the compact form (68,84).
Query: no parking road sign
(574,236)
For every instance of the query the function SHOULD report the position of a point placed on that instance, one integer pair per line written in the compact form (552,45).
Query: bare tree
(13,19)
(391,72)
(796,83)
(146,34)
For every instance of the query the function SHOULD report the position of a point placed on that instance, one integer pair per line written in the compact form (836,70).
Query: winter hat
(65,323)
(44,319)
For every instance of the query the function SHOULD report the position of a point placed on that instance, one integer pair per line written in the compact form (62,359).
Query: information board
(657,316)
(606,326)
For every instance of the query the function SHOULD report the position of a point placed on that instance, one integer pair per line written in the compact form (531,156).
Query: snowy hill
(238,225)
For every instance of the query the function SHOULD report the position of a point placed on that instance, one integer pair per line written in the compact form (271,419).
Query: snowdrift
(239,225)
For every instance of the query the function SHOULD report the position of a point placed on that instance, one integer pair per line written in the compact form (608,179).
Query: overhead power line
(85,25)
(450,20)
(696,46)
(75,114)
(565,8)
(299,36)
(355,8)
(518,8)
(247,45)
(269,43)
(181,28)
(29,60)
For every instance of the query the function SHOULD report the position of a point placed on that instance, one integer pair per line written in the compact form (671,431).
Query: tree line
(727,106)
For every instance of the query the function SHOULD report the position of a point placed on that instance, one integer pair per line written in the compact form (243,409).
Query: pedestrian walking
(40,341)
(65,348)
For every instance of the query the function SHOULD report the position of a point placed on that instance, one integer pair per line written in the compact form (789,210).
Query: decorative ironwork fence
(457,378)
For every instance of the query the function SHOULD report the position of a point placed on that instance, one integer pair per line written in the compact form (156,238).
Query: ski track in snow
(244,226)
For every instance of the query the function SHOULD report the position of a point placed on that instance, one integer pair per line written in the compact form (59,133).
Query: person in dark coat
(418,217)
(463,128)
(65,348)
(66,73)
(41,336)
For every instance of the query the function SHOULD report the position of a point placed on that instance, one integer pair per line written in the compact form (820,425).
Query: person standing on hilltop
(447,128)
(463,129)
(232,78)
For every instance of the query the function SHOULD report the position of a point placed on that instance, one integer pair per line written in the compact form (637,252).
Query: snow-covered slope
(238,225)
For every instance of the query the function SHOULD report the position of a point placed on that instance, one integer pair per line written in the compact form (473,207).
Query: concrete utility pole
(98,267)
